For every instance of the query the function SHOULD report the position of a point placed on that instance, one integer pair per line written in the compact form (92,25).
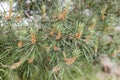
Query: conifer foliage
(62,40)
